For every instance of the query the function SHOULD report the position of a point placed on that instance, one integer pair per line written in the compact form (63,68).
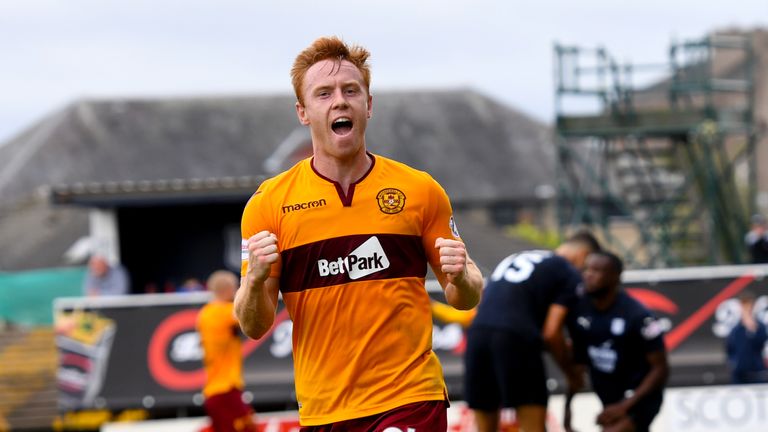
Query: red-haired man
(346,236)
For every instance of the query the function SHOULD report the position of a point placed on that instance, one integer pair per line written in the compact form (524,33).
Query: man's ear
(301,112)
(370,105)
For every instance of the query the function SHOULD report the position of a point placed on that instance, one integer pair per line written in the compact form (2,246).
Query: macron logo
(368,258)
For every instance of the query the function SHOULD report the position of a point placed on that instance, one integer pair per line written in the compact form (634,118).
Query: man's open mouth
(341,126)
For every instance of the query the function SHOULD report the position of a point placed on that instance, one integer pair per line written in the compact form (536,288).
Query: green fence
(26,298)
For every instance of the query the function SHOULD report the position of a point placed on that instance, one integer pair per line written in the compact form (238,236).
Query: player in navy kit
(622,345)
(521,313)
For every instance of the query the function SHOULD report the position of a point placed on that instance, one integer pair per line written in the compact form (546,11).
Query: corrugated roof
(166,192)
(478,149)
(126,152)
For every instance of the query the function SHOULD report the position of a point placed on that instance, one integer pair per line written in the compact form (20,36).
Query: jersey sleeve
(256,219)
(438,221)
(578,342)
(650,333)
(566,295)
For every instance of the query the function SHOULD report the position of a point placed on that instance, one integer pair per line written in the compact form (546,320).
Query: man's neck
(343,171)
(749,322)
(605,302)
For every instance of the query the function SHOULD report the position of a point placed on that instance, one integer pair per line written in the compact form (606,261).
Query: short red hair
(329,48)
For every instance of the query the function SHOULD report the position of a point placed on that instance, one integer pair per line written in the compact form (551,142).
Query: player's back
(521,289)
(221,348)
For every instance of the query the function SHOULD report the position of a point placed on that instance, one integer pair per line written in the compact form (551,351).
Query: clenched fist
(262,253)
(453,258)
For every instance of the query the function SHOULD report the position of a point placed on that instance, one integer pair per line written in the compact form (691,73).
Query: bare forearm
(557,346)
(654,381)
(254,308)
(464,293)
(553,334)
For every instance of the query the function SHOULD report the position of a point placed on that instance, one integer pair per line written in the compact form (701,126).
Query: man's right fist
(262,253)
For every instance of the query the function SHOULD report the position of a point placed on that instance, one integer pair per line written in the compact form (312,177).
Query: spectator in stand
(105,279)
(757,240)
(190,285)
(745,345)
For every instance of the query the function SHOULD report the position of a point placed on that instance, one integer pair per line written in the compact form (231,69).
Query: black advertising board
(143,351)
(697,306)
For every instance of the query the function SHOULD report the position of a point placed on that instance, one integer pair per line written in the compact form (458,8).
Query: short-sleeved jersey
(614,344)
(352,270)
(220,340)
(521,289)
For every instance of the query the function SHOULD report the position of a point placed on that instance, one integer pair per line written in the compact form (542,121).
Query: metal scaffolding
(659,158)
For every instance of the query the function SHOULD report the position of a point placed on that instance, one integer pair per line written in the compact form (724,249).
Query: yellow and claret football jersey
(351,270)
(220,339)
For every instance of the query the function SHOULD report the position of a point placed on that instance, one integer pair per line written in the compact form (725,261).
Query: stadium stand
(27,378)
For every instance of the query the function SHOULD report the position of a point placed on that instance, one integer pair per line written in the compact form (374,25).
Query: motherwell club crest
(391,200)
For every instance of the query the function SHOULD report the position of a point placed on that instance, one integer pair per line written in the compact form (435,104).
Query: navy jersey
(614,344)
(745,353)
(521,289)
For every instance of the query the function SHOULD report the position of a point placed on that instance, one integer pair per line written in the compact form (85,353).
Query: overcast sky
(55,52)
